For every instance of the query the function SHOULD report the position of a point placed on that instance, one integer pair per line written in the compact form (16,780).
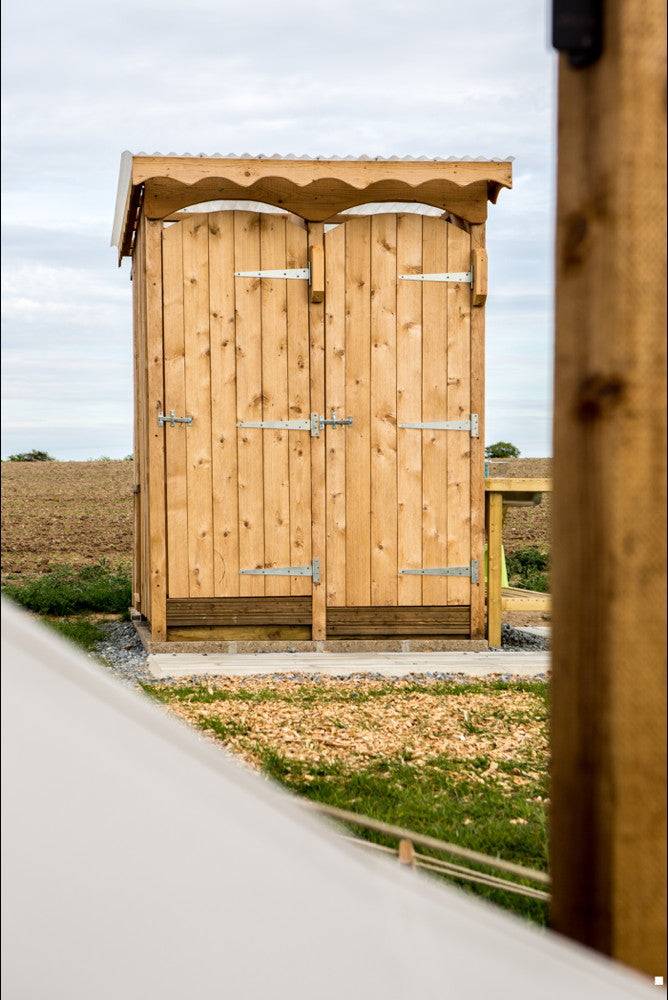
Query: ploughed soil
(80,512)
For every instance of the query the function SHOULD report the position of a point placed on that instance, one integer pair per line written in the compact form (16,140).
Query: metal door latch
(312,569)
(333,421)
(471,570)
(172,419)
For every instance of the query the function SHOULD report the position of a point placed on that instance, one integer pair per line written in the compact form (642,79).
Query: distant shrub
(129,458)
(32,456)
(66,590)
(529,568)
(502,449)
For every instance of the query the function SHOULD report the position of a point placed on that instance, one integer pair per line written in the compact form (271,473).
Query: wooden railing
(500,490)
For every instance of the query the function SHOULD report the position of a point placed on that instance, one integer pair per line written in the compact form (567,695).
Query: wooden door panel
(236,349)
(396,352)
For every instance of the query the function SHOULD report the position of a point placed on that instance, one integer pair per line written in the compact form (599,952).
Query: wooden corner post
(316,238)
(608,849)
(478,443)
(156,433)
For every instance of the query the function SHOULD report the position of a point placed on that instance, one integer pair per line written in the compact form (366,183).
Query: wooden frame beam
(316,190)
(608,842)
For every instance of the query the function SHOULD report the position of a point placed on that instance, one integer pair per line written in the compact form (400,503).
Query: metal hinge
(457,276)
(301,273)
(314,424)
(312,570)
(172,419)
(472,570)
(447,425)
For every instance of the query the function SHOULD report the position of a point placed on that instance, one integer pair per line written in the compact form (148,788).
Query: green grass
(462,801)
(529,568)
(81,631)
(66,590)
(308,694)
(429,799)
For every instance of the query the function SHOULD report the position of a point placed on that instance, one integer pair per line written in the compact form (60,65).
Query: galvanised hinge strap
(284,425)
(447,425)
(314,425)
(456,276)
(172,419)
(300,273)
(312,570)
(472,570)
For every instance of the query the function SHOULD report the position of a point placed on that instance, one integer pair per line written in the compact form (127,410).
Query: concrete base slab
(385,664)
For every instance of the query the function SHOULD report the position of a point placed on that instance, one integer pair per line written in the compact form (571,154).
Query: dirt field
(64,512)
(78,512)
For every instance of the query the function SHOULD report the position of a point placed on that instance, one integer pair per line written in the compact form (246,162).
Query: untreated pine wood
(156,434)
(478,445)
(239,611)
(335,399)
(274,359)
(494,567)
(176,454)
(383,410)
(318,501)
(409,408)
(608,822)
(404,621)
(239,633)
(520,484)
(296,248)
(222,303)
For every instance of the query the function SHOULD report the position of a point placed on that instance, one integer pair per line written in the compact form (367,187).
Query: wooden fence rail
(500,491)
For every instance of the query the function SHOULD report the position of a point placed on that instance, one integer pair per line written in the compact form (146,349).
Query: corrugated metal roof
(363,156)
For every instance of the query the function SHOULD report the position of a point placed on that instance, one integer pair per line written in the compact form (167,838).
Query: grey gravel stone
(121,650)
(515,638)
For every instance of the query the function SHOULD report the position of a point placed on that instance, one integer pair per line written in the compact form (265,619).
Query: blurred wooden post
(609,527)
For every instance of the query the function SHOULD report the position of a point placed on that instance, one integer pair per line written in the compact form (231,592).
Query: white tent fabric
(142,862)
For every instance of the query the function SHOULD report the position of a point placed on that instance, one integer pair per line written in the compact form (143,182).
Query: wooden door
(397,351)
(236,349)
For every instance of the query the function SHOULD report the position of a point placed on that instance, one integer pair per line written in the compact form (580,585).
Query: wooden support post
(494,567)
(156,434)
(316,236)
(478,444)
(608,845)
(406,853)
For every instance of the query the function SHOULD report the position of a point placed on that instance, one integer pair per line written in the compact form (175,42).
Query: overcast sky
(85,80)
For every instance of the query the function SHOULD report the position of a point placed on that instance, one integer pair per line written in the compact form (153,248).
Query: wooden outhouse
(309,395)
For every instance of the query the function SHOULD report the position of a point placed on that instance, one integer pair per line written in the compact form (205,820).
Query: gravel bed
(121,650)
(516,638)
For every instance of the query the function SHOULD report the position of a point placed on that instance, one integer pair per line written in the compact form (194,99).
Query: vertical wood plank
(137,442)
(298,407)
(156,438)
(409,407)
(608,843)
(198,403)
(434,404)
(383,380)
(494,567)
(275,403)
(175,399)
(249,401)
(358,406)
(477,470)
(223,405)
(318,503)
(459,408)
(335,399)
